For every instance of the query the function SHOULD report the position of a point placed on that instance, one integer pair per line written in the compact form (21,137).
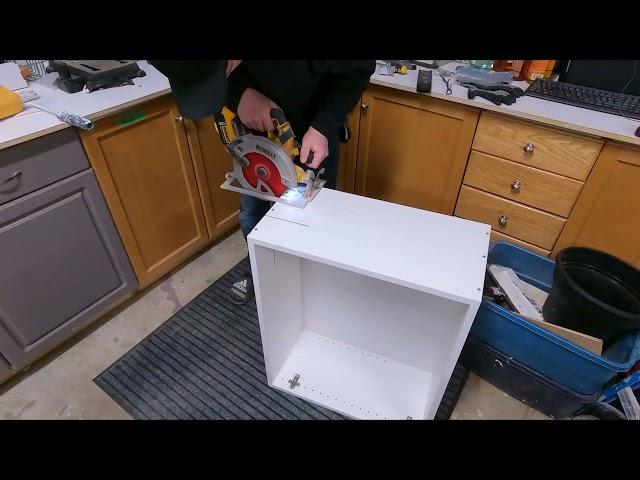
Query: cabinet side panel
(277,284)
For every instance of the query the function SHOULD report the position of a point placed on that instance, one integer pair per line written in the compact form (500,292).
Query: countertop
(550,113)
(32,123)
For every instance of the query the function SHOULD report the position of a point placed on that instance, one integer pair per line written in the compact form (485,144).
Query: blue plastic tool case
(551,356)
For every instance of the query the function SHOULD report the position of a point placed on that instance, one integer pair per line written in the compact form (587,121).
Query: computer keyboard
(586,97)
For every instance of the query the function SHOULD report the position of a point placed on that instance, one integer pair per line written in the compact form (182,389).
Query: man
(315,96)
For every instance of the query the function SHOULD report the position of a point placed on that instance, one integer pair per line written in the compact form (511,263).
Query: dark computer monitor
(611,75)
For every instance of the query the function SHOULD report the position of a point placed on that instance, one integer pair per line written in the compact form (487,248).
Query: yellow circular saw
(263,165)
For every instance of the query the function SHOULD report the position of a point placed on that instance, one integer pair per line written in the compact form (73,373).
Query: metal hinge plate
(294,382)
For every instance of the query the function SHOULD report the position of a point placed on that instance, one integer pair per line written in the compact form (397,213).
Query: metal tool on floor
(265,166)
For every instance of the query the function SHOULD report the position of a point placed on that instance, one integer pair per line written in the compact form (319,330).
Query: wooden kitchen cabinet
(212,161)
(530,186)
(549,149)
(501,237)
(606,215)
(144,166)
(413,149)
(510,218)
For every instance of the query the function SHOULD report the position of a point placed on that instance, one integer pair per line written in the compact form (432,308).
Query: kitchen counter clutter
(527,108)
(31,123)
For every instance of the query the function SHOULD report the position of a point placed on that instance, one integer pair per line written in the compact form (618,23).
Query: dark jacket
(316,93)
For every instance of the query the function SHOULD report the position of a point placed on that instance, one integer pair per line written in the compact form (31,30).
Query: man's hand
(314,141)
(254,110)
(231,65)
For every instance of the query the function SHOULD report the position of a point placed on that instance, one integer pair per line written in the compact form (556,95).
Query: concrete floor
(60,386)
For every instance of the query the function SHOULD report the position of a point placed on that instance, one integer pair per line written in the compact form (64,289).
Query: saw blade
(261,165)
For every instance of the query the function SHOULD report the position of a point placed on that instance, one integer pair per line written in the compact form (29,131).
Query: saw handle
(277,115)
(281,124)
(309,160)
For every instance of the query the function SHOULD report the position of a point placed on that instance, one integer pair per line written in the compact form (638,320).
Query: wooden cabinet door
(348,154)
(413,149)
(607,213)
(62,267)
(212,161)
(142,160)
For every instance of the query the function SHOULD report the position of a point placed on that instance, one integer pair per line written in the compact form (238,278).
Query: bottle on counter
(520,68)
(482,64)
(536,69)
(526,69)
(549,71)
(502,65)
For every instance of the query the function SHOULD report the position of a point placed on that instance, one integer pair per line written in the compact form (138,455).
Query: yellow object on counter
(10,103)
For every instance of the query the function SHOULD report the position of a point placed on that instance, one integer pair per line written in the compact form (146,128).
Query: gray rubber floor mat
(205,362)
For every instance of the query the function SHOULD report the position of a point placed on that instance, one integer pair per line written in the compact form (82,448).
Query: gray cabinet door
(62,265)
(5,370)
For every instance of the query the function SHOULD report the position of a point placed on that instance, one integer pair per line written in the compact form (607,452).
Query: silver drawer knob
(364,107)
(179,118)
(503,221)
(529,147)
(515,186)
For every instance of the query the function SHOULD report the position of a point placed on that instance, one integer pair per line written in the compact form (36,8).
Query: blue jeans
(252,209)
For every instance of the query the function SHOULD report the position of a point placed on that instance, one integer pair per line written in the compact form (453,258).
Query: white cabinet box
(365,305)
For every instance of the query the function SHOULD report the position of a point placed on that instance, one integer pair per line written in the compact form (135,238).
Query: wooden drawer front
(532,226)
(543,190)
(37,163)
(558,152)
(501,237)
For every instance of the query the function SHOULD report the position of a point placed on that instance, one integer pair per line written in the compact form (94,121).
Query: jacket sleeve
(239,80)
(345,82)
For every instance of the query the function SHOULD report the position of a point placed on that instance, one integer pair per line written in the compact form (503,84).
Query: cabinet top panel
(407,246)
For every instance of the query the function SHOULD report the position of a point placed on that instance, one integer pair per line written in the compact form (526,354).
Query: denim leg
(252,210)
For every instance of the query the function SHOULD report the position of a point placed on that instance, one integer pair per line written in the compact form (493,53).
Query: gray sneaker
(241,292)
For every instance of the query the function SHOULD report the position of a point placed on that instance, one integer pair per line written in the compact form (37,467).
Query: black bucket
(594,293)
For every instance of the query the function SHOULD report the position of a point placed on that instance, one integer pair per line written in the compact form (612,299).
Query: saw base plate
(291,196)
